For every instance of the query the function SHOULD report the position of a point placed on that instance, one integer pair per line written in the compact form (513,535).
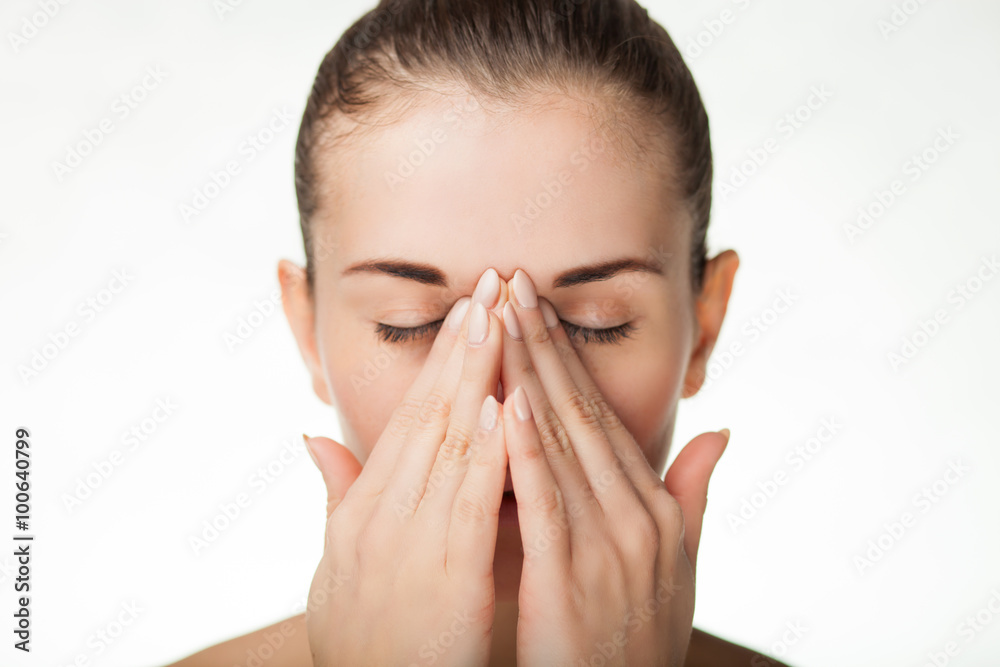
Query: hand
(406,576)
(609,548)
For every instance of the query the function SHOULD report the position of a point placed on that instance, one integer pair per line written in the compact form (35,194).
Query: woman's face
(452,191)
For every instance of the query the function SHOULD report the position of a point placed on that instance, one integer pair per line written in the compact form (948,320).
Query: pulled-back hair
(607,52)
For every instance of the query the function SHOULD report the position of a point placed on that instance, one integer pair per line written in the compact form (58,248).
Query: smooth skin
(454,214)
(416,531)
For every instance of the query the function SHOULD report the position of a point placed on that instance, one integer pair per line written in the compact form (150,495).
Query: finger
(687,481)
(560,452)
(475,513)
(413,466)
(339,467)
(576,408)
(479,376)
(385,454)
(542,511)
(624,445)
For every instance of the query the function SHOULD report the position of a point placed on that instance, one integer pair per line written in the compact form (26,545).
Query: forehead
(464,188)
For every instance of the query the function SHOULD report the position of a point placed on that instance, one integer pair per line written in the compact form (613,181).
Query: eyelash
(612,335)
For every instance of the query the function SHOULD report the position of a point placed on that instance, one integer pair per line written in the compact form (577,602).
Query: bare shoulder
(707,650)
(286,644)
(282,644)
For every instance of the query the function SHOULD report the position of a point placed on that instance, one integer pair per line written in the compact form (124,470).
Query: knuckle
(536,335)
(643,539)
(402,421)
(456,443)
(485,458)
(470,509)
(549,503)
(607,414)
(584,410)
(672,513)
(435,408)
(554,437)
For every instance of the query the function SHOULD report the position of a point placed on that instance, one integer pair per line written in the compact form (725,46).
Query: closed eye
(399,335)
(390,334)
(603,336)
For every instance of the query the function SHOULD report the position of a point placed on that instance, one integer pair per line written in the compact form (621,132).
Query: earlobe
(710,311)
(297,302)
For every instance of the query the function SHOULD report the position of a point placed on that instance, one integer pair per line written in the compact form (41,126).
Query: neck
(503,652)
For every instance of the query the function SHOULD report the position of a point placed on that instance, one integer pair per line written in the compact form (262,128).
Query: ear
(710,311)
(297,301)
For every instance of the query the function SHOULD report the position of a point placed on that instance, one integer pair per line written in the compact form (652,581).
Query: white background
(826,356)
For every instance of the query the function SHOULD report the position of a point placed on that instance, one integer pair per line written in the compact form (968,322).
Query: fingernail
(521,405)
(524,290)
(549,314)
(510,321)
(457,313)
(305,439)
(488,289)
(488,413)
(479,324)
(725,433)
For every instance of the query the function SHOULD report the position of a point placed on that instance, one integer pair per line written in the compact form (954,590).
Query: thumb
(338,466)
(687,482)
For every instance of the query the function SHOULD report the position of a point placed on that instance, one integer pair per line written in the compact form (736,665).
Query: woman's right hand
(406,576)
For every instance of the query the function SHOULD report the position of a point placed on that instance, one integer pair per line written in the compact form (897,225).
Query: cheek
(368,382)
(642,382)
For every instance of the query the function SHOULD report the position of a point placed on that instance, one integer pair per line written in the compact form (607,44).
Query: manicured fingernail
(549,313)
(524,290)
(510,321)
(488,290)
(479,324)
(725,432)
(457,313)
(488,413)
(521,405)
(305,439)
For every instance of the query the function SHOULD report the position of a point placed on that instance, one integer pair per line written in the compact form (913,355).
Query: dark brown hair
(507,51)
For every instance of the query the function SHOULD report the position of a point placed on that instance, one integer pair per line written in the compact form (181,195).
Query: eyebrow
(428,274)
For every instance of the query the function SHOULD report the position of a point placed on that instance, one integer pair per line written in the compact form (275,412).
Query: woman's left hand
(609,548)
